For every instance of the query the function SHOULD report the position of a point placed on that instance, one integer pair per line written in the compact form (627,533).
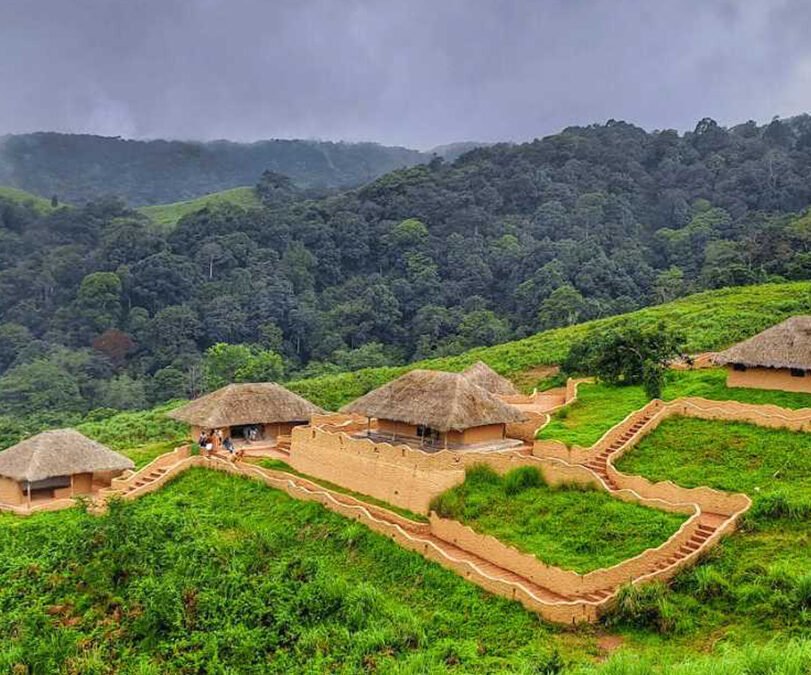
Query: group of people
(212,440)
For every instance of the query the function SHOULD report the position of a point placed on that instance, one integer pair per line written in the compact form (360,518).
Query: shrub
(709,583)
(521,479)
(779,505)
(644,606)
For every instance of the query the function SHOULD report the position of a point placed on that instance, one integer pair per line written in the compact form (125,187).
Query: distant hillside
(167,215)
(82,167)
(26,198)
(452,151)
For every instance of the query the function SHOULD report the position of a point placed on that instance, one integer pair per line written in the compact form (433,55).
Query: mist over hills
(78,168)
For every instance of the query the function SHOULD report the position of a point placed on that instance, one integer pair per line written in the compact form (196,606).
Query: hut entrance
(428,436)
(247,432)
(41,490)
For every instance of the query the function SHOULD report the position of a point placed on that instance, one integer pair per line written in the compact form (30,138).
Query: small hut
(487,378)
(435,410)
(777,358)
(266,408)
(57,464)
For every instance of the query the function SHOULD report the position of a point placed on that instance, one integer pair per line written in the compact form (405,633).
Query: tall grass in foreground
(779,657)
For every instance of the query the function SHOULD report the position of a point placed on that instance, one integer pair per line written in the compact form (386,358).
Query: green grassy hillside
(21,196)
(166,216)
(709,320)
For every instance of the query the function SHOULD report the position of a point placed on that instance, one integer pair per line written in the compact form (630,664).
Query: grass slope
(218,574)
(710,321)
(22,197)
(577,529)
(165,216)
(599,407)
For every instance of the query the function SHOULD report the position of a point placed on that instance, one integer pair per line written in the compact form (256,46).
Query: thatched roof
(786,345)
(487,378)
(256,403)
(442,401)
(61,452)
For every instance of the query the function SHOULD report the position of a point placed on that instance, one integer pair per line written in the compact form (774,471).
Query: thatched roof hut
(442,401)
(62,452)
(487,378)
(238,404)
(786,345)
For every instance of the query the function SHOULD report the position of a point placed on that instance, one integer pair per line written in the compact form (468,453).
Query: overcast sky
(405,72)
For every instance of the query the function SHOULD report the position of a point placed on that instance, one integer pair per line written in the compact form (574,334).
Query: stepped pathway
(147,478)
(599,462)
(632,430)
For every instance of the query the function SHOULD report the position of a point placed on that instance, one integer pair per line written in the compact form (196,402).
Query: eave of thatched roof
(487,378)
(254,403)
(61,452)
(442,401)
(786,345)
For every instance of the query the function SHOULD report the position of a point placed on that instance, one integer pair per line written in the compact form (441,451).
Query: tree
(13,338)
(122,393)
(563,307)
(628,355)
(41,385)
(225,363)
(167,384)
(669,284)
(98,301)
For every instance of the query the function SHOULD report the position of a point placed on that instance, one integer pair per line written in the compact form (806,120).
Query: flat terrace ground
(599,407)
(577,529)
(731,456)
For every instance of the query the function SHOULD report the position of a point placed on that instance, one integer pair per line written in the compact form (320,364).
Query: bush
(521,479)
(644,606)
(779,505)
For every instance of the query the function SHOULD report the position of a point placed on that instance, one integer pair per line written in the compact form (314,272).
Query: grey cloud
(411,72)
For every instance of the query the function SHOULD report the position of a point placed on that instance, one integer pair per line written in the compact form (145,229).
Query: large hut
(777,358)
(57,464)
(266,408)
(434,410)
(487,378)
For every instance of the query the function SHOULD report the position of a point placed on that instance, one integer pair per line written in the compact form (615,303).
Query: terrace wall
(396,474)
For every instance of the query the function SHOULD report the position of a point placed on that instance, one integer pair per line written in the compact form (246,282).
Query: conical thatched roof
(442,401)
(786,345)
(61,452)
(256,403)
(487,378)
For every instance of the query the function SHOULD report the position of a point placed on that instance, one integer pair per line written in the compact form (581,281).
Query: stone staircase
(144,479)
(283,443)
(598,463)
(708,524)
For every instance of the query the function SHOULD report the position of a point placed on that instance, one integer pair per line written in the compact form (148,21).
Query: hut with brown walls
(777,358)
(487,378)
(434,410)
(270,408)
(57,464)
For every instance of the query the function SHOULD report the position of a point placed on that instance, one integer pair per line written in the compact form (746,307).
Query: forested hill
(103,307)
(77,168)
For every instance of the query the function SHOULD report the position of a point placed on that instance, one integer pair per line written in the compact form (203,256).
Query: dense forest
(77,168)
(101,309)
